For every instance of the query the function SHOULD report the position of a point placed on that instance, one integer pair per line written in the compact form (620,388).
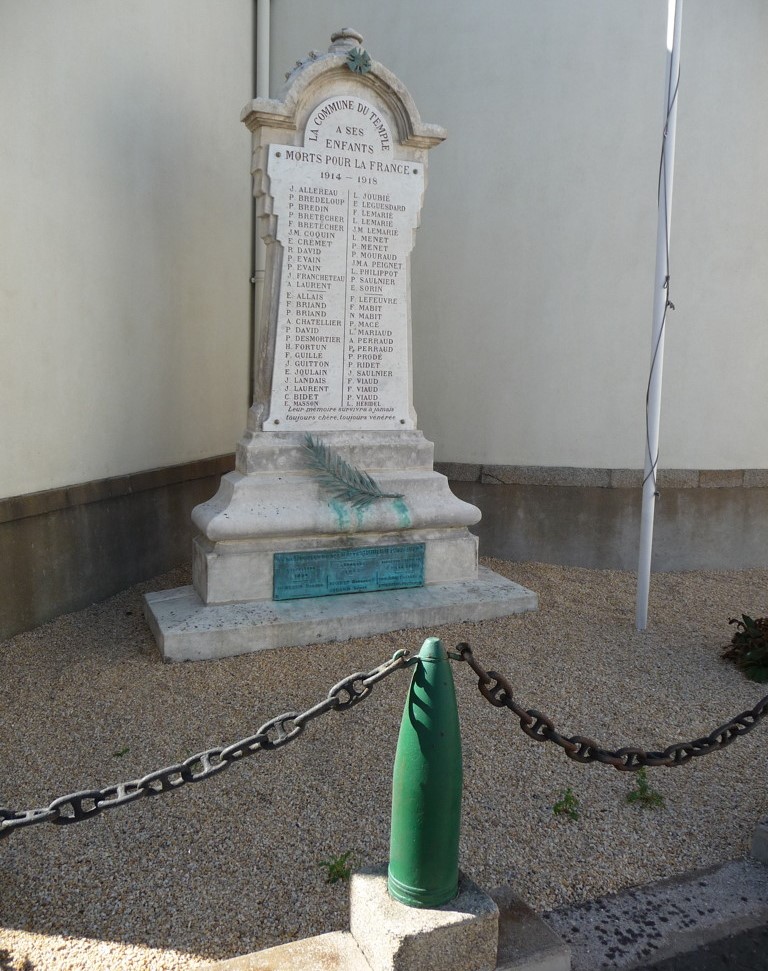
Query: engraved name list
(346,214)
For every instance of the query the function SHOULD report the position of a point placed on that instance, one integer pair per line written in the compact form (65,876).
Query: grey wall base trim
(63,549)
(67,497)
(695,529)
(603,478)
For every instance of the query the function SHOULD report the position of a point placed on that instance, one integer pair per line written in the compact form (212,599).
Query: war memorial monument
(334,523)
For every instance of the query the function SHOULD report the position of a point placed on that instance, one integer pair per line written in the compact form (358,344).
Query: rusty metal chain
(273,734)
(496,689)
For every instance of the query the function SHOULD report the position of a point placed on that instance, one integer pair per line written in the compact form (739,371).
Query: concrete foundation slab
(187,629)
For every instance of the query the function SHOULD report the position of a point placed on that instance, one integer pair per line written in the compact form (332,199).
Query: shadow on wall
(695,529)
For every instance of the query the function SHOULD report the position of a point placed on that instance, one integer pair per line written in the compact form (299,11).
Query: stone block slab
(461,935)
(234,572)
(284,451)
(186,629)
(677,478)
(721,478)
(546,475)
(626,478)
(296,504)
(526,942)
(756,478)
(459,471)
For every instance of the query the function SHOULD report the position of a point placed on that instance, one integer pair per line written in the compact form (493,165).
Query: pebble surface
(235,863)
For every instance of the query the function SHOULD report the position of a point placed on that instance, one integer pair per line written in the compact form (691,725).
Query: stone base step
(186,629)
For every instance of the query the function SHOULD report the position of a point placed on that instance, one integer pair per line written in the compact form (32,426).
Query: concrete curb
(648,924)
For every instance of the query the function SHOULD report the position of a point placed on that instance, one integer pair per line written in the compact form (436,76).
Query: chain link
(497,690)
(273,734)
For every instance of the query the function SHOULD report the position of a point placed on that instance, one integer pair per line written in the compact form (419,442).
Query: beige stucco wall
(125,243)
(125,214)
(533,269)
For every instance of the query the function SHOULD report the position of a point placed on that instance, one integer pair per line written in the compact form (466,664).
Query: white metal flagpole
(661,305)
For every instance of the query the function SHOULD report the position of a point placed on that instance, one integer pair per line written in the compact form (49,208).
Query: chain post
(426,787)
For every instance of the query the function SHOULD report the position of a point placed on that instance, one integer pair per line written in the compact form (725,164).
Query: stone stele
(339,172)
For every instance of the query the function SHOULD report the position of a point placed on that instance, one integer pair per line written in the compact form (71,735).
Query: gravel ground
(234,864)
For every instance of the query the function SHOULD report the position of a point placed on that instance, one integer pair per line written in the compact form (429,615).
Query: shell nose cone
(432,650)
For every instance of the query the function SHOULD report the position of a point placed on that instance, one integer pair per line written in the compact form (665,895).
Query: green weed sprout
(643,794)
(567,805)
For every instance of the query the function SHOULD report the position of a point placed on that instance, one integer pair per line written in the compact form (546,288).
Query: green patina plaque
(322,573)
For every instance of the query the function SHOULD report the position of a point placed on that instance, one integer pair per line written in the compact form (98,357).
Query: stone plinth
(462,935)
(274,503)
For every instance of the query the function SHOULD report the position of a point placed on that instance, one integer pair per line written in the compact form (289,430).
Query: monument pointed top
(345,40)
(330,72)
